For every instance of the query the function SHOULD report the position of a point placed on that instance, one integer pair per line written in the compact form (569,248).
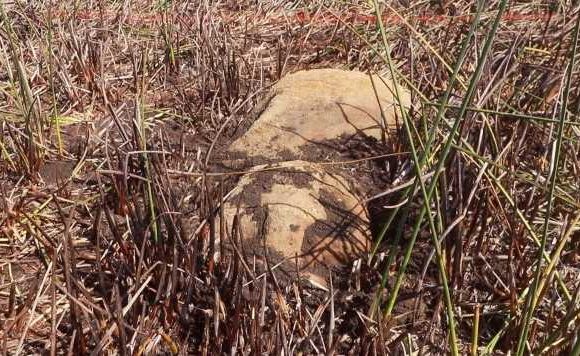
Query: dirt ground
(115,118)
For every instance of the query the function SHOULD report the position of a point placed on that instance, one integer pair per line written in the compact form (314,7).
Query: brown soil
(56,172)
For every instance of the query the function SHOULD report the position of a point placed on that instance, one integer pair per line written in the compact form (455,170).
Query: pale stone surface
(297,209)
(315,106)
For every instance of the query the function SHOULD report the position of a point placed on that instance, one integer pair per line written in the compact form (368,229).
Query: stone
(316,108)
(297,214)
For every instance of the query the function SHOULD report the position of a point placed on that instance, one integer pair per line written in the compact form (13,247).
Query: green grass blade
(442,159)
(530,304)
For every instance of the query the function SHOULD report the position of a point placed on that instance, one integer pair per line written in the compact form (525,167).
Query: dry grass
(107,111)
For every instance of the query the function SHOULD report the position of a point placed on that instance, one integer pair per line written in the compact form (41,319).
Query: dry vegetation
(107,113)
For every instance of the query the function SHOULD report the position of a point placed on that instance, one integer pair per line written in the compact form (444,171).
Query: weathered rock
(292,212)
(316,108)
(297,213)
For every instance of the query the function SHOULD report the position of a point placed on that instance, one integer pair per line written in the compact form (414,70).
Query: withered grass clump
(112,115)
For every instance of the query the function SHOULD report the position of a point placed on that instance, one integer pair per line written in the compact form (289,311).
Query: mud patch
(57,172)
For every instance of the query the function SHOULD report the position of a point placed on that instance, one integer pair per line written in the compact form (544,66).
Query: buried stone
(309,109)
(292,213)
(297,216)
